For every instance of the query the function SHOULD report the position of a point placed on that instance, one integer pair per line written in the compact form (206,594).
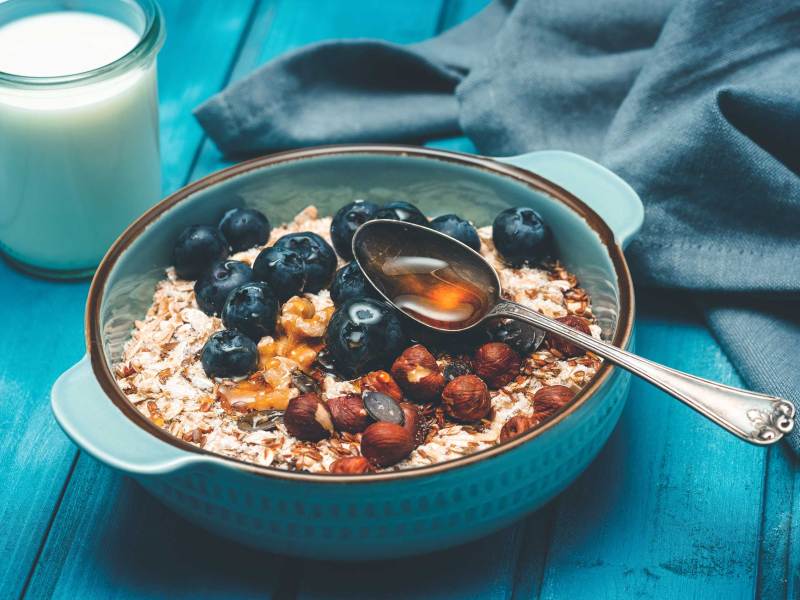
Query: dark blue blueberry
(284,271)
(364,335)
(229,353)
(520,336)
(196,249)
(345,222)
(244,228)
(521,236)
(459,229)
(251,308)
(319,258)
(350,282)
(214,285)
(401,211)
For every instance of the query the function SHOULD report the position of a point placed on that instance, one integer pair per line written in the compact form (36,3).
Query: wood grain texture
(672,507)
(42,335)
(202,42)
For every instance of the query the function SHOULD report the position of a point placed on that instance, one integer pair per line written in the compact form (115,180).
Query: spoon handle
(756,418)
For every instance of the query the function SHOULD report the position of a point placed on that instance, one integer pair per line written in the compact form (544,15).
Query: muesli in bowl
(268,345)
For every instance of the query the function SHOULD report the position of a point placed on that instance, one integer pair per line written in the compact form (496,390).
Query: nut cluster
(497,364)
(387,439)
(466,399)
(418,374)
(307,418)
(381,381)
(562,346)
(348,413)
(385,444)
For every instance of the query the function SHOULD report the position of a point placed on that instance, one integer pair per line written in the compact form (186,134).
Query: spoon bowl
(448,287)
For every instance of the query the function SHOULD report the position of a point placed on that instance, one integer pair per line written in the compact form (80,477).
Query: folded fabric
(694,103)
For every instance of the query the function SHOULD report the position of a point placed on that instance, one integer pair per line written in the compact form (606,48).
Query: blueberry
(401,211)
(345,222)
(229,353)
(350,282)
(459,229)
(197,247)
(521,236)
(284,271)
(244,228)
(364,335)
(319,258)
(251,308)
(214,285)
(521,337)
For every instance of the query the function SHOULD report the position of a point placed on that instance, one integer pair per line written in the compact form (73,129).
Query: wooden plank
(113,540)
(287,24)
(792,558)
(196,61)
(46,319)
(776,563)
(481,570)
(42,336)
(672,507)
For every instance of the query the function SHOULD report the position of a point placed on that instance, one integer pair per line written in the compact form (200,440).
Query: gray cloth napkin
(695,103)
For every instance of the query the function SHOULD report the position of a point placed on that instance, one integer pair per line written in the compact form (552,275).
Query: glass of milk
(79,158)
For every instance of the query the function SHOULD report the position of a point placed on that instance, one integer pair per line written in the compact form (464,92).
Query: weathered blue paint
(108,539)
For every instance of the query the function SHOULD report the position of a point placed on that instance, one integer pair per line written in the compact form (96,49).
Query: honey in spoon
(421,279)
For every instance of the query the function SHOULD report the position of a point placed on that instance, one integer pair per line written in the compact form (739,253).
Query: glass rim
(150,41)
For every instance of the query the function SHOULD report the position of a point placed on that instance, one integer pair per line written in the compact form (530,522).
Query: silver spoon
(446,286)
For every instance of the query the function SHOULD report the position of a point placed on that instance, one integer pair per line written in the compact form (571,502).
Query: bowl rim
(107,382)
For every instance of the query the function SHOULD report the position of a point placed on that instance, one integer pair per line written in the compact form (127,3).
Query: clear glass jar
(79,153)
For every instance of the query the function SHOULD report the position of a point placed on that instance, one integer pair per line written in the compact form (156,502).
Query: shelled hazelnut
(496,363)
(386,444)
(307,418)
(466,399)
(551,397)
(516,426)
(381,381)
(413,422)
(561,345)
(418,374)
(350,465)
(348,413)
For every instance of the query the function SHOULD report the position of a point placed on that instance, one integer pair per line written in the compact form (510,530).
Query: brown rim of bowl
(107,382)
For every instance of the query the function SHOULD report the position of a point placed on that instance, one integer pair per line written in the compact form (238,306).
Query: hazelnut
(418,374)
(307,418)
(413,422)
(561,345)
(381,381)
(348,413)
(551,397)
(385,444)
(350,465)
(496,363)
(516,426)
(466,398)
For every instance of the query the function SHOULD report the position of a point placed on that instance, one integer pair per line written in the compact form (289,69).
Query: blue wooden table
(672,508)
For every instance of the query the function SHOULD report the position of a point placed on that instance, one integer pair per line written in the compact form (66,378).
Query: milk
(78,161)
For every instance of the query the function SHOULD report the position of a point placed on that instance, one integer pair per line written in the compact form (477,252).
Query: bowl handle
(91,420)
(604,191)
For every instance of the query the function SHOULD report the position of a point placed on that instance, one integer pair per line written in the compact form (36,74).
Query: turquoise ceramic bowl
(593,214)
